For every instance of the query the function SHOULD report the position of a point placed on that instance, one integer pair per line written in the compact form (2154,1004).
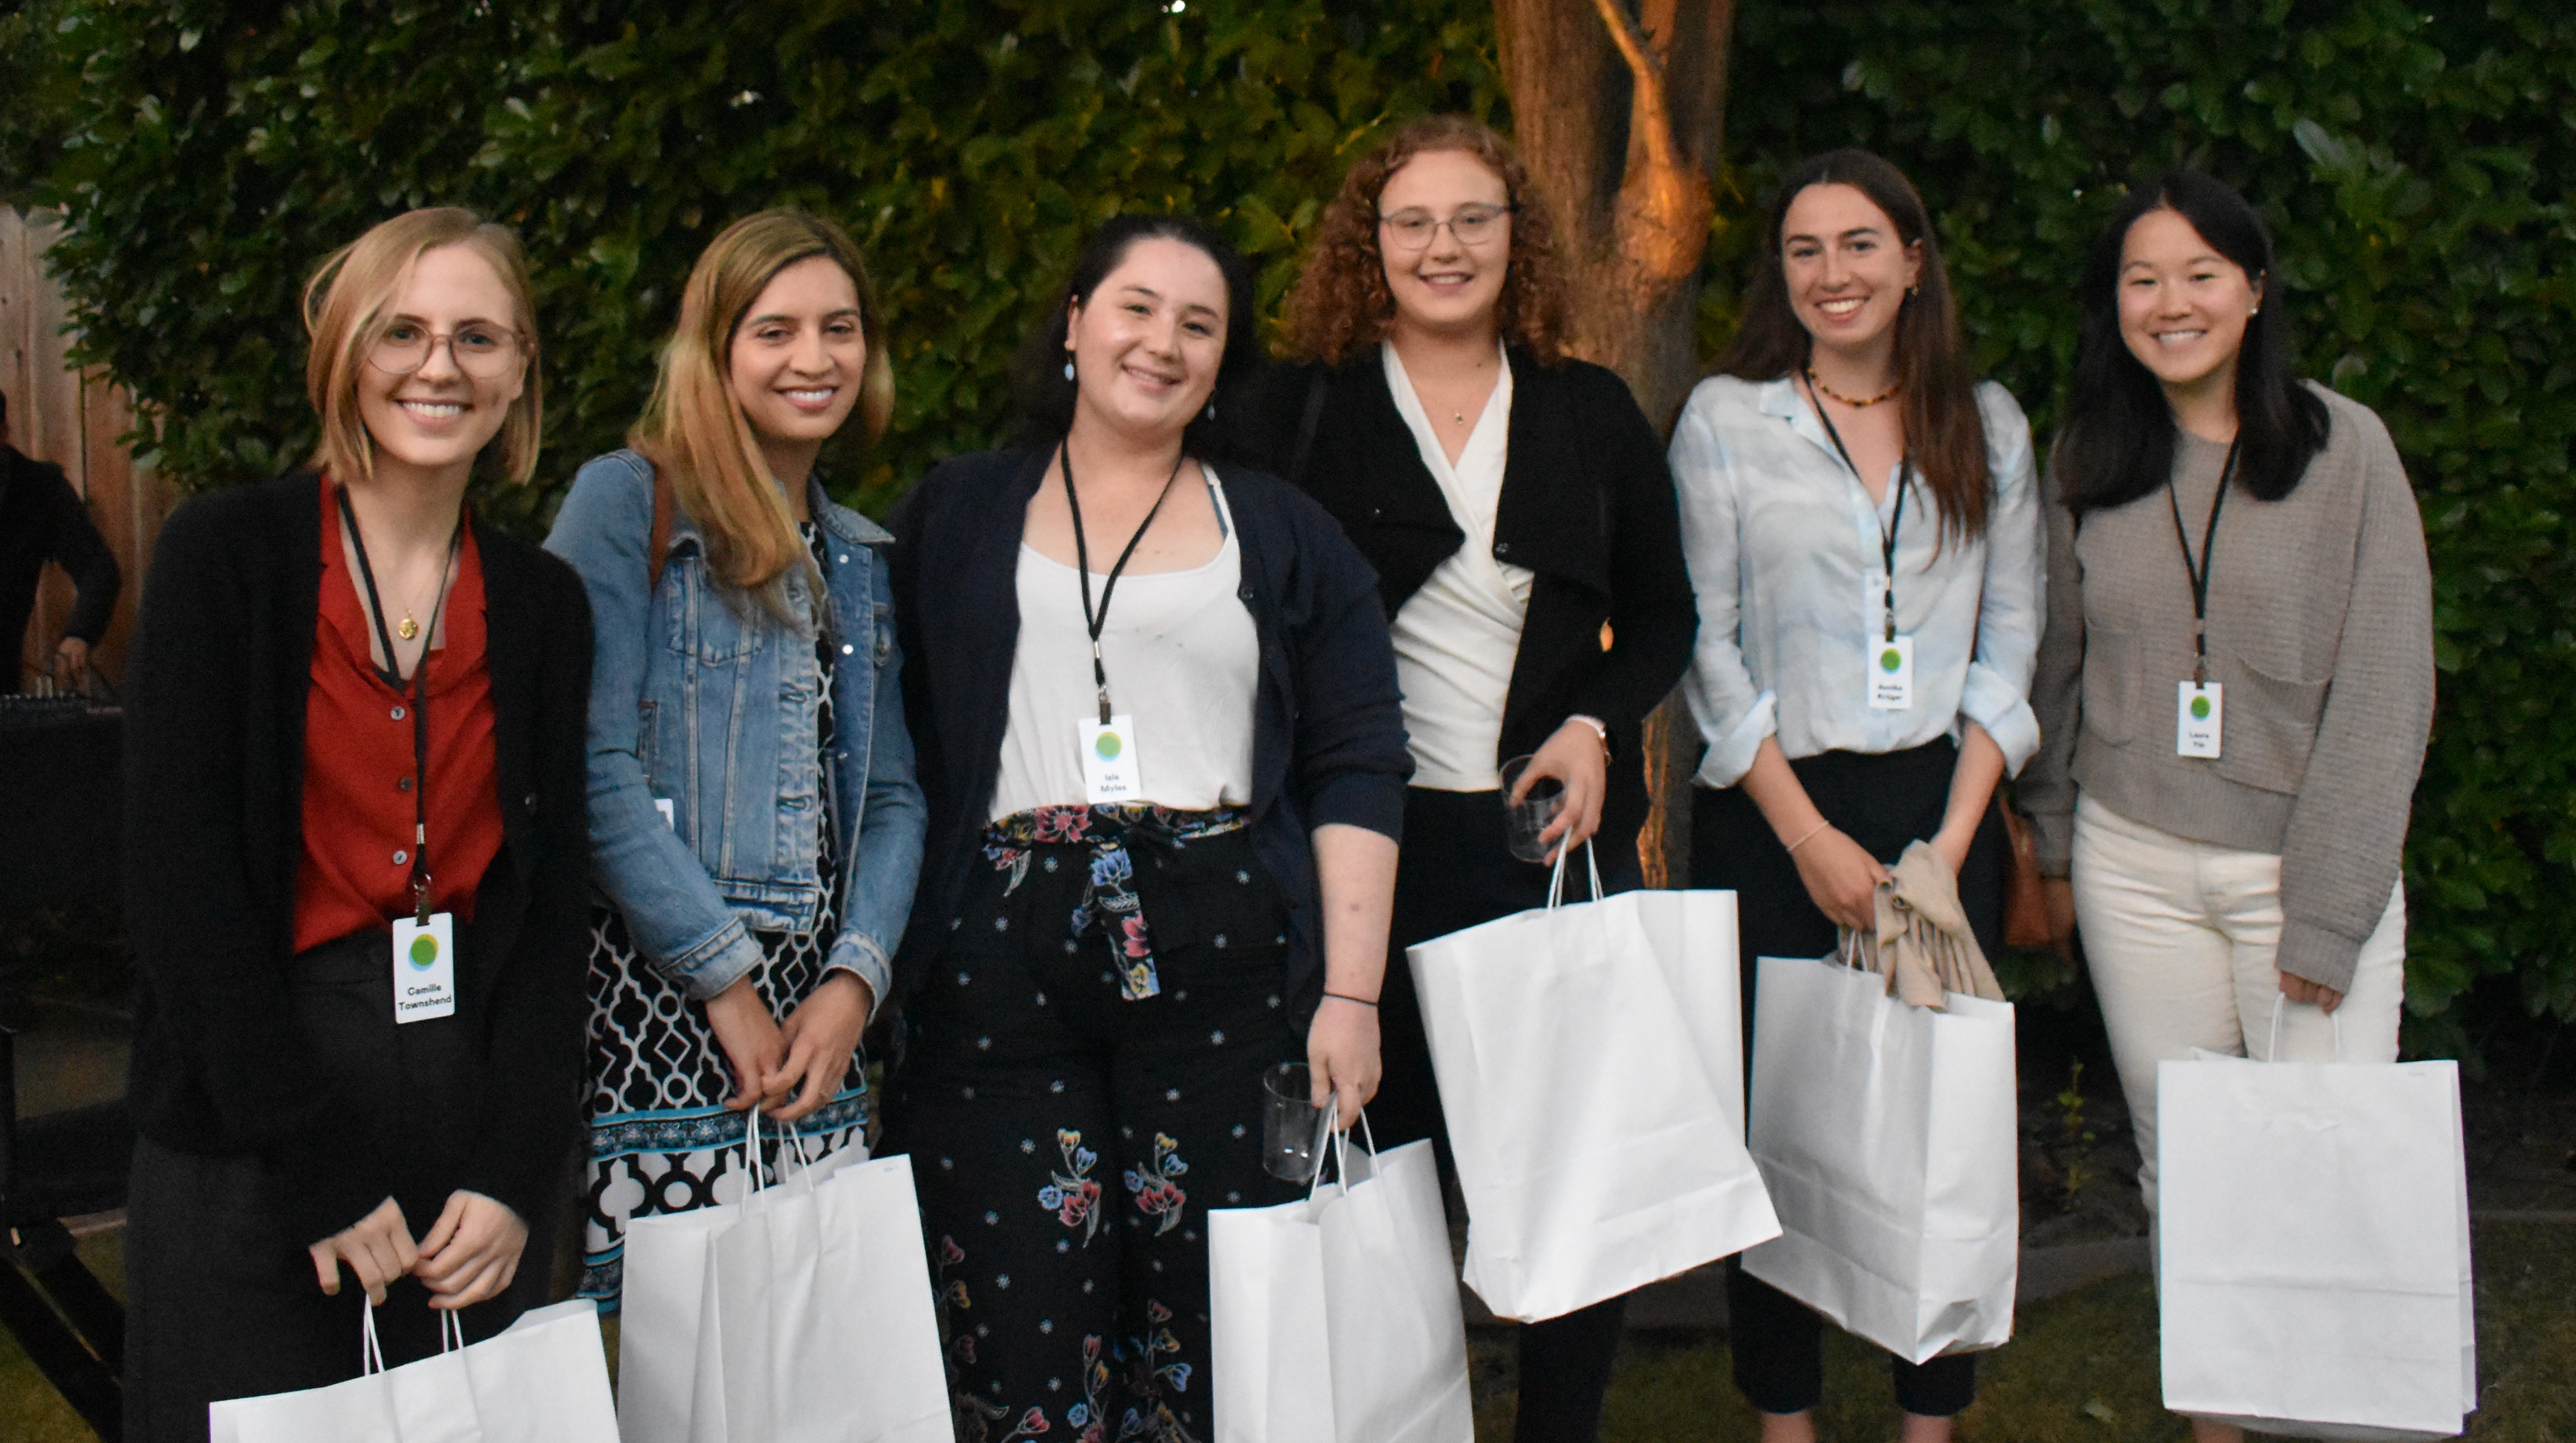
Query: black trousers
(1883,802)
(1068,1142)
(223,1303)
(1456,871)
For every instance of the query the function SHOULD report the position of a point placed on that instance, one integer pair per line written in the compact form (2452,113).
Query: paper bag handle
(751,1150)
(1341,1142)
(371,1354)
(2279,999)
(1556,878)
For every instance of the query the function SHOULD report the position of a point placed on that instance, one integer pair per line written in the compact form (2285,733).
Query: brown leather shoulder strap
(660,544)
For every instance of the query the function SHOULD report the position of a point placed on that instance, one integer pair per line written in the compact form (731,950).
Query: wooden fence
(73,418)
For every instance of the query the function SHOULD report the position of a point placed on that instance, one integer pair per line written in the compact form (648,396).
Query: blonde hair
(348,304)
(693,429)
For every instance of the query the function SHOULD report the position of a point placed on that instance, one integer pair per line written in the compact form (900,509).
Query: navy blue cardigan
(1328,729)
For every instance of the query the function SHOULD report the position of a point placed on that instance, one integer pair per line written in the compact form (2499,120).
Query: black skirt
(223,1302)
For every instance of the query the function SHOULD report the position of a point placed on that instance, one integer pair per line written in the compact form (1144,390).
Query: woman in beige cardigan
(2242,547)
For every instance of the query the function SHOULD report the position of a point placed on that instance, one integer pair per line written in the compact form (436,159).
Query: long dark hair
(2118,441)
(1043,396)
(1944,432)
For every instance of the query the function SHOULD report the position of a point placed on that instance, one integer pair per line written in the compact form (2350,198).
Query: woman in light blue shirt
(1861,524)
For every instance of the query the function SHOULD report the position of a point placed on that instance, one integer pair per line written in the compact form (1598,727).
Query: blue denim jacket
(692,691)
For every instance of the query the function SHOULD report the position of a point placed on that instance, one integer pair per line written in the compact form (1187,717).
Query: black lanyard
(2200,574)
(1082,565)
(1887,533)
(391,672)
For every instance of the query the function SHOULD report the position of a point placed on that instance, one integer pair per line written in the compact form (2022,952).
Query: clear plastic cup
(1292,1127)
(1529,816)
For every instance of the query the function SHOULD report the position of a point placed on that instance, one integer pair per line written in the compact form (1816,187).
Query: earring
(1068,368)
(1211,408)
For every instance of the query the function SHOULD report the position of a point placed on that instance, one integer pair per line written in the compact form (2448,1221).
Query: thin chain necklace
(1855,402)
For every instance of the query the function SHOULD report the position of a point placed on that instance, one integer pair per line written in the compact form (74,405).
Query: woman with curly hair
(1516,505)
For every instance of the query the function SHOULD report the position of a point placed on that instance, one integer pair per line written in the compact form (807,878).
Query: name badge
(1112,768)
(424,968)
(1891,674)
(2196,718)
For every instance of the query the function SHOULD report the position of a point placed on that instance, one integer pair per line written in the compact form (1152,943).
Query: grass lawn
(2082,1368)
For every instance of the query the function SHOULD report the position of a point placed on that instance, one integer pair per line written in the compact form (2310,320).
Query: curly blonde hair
(1341,303)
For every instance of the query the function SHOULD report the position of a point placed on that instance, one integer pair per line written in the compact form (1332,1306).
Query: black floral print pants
(1068,1141)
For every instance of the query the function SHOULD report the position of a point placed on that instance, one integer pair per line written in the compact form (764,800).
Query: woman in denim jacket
(755,827)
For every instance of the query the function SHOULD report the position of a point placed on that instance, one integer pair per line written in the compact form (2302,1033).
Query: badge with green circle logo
(1108,746)
(424,968)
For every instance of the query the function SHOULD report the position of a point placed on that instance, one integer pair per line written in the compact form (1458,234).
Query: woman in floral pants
(1165,764)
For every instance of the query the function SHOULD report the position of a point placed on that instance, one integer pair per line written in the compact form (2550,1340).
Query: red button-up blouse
(355,874)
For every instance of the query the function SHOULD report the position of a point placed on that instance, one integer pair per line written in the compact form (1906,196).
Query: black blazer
(1328,731)
(214,771)
(1587,504)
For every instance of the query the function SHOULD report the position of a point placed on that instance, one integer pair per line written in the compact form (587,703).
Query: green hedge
(2414,162)
(210,159)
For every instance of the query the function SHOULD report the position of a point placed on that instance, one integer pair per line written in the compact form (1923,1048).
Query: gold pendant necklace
(407,628)
(1855,402)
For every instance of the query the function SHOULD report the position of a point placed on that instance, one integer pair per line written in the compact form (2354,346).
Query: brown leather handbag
(2025,900)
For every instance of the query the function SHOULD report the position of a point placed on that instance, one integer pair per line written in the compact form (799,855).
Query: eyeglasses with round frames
(1472,225)
(484,352)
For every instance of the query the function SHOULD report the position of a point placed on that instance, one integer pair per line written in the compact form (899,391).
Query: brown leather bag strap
(660,544)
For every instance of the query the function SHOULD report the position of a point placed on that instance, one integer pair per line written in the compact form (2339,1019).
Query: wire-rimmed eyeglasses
(481,350)
(1471,225)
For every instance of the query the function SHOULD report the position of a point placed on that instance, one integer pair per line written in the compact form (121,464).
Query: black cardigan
(1328,731)
(1587,504)
(214,770)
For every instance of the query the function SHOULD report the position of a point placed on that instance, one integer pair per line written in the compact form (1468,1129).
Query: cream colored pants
(2181,936)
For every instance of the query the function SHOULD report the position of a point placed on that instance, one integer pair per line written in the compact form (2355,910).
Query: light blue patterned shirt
(1779,535)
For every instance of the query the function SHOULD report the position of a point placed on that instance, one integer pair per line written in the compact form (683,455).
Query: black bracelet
(1346,997)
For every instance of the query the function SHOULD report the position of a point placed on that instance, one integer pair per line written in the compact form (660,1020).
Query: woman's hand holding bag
(752,1045)
(1577,758)
(472,1251)
(819,1037)
(1841,876)
(377,1247)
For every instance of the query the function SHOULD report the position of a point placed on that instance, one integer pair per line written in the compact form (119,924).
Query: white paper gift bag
(1336,1319)
(1887,1135)
(1589,1058)
(543,1379)
(2314,1248)
(802,1312)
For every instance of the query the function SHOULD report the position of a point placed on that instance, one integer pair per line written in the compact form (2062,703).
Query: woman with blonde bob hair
(1515,506)
(754,824)
(354,747)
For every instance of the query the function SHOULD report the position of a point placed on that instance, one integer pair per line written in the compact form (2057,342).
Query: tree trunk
(1619,108)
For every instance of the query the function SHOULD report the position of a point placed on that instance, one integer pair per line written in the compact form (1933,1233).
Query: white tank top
(1183,659)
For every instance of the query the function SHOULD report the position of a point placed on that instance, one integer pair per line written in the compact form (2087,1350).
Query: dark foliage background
(2415,162)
